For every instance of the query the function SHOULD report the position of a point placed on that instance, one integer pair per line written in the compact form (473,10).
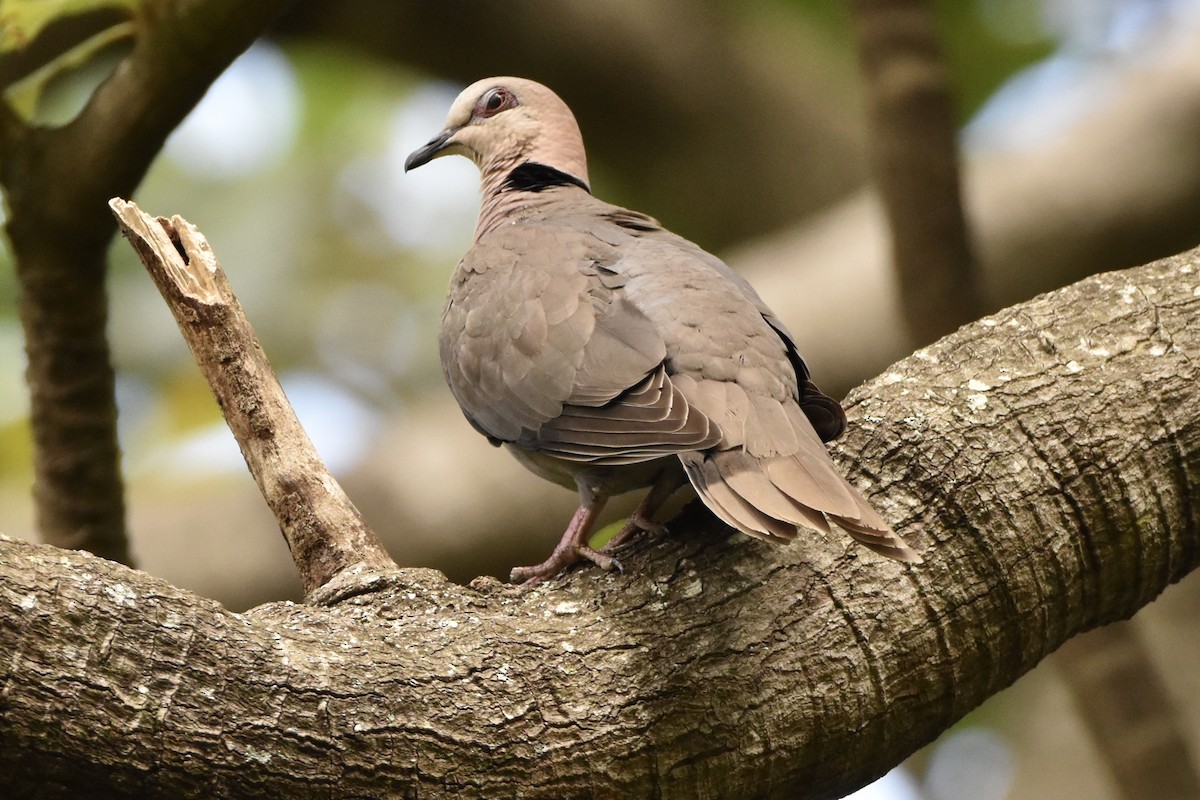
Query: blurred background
(739,125)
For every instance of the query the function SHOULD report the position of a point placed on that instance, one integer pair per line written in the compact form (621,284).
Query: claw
(636,524)
(600,559)
(560,560)
(571,548)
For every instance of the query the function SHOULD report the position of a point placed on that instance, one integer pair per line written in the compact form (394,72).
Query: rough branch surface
(1043,460)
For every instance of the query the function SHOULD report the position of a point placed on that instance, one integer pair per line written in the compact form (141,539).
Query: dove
(608,354)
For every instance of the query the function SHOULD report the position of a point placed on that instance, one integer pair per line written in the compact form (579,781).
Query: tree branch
(1044,460)
(332,546)
(58,38)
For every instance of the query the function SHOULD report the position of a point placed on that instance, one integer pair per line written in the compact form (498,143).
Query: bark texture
(1043,460)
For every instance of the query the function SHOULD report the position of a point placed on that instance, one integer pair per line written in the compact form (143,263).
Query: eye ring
(493,101)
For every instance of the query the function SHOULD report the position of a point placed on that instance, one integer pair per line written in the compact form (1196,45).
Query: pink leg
(572,547)
(641,518)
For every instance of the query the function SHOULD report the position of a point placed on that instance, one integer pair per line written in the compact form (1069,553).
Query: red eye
(494,101)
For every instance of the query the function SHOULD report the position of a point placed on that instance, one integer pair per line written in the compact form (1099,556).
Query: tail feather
(772,498)
(730,506)
(746,478)
(885,542)
(812,483)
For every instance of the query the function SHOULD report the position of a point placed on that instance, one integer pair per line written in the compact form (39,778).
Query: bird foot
(636,524)
(558,561)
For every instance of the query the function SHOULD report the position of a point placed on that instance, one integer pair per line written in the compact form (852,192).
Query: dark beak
(423,155)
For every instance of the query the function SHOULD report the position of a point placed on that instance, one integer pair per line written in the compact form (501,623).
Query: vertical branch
(914,143)
(78,494)
(1117,689)
(60,265)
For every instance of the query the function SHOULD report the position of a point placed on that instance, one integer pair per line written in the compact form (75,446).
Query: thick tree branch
(915,146)
(57,183)
(1044,460)
(332,547)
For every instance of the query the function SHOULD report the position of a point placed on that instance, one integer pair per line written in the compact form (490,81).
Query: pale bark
(1043,460)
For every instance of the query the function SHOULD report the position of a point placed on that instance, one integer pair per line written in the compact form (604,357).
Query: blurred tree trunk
(1118,186)
(914,141)
(1129,713)
(715,666)
(57,183)
(63,302)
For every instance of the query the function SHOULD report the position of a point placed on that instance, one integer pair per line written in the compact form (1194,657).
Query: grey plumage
(609,354)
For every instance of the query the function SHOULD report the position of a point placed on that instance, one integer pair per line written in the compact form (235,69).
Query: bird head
(501,123)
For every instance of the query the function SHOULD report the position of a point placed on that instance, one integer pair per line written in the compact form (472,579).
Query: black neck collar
(534,177)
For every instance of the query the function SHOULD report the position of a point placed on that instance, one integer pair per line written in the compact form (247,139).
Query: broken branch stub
(332,546)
